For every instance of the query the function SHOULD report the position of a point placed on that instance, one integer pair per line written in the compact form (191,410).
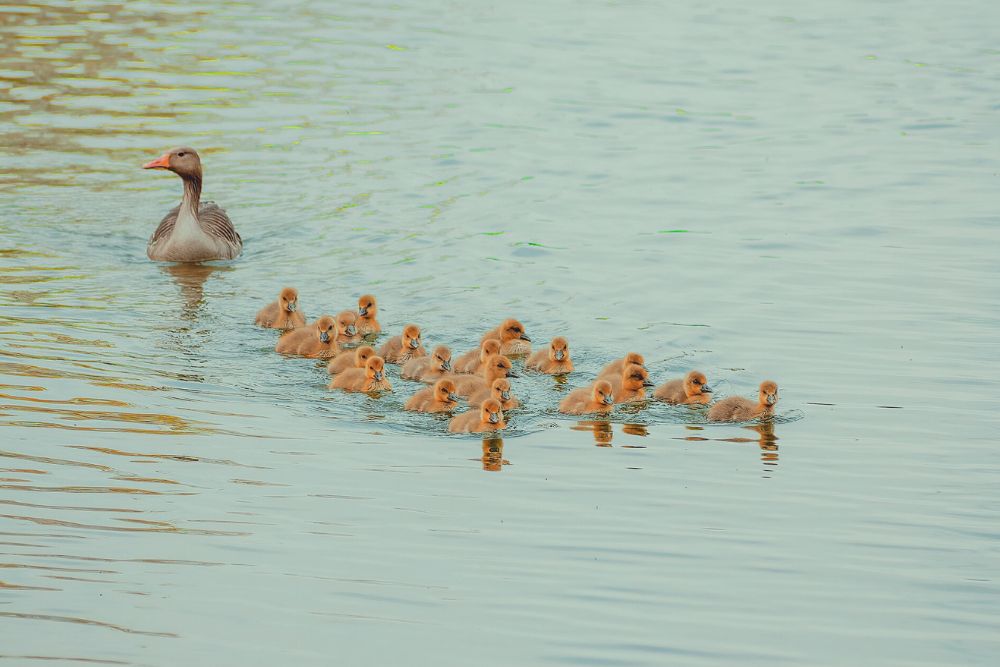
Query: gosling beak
(705,389)
(772,399)
(560,355)
(505,395)
(378,375)
(414,343)
(162,162)
(525,337)
(446,365)
(648,383)
(609,400)
(363,312)
(512,374)
(324,336)
(494,418)
(453,398)
(292,306)
(351,330)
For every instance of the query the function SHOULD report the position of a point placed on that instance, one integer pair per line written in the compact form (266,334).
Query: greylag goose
(193,231)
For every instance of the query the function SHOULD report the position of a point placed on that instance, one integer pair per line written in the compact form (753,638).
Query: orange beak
(162,162)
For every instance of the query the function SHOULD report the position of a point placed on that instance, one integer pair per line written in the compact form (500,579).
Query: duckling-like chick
(317,340)
(599,397)
(472,361)
(739,409)
(497,366)
(513,340)
(554,359)
(439,398)
(367,310)
(400,349)
(630,386)
(347,327)
(429,368)
(616,366)
(692,389)
(356,358)
(283,313)
(370,378)
(500,390)
(489,417)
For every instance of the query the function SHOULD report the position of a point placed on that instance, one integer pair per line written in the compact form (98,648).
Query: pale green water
(802,192)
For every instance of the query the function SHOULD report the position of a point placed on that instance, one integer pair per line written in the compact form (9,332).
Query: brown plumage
(283,313)
(317,340)
(630,386)
(497,366)
(439,398)
(500,390)
(553,359)
(347,329)
(739,409)
(400,349)
(367,311)
(356,358)
(488,417)
(193,231)
(692,389)
(616,366)
(370,378)
(471,361)
(429,368)
(513,339)
(598,397)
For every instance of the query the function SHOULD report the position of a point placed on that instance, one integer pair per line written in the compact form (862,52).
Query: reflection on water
(190,278)
(493,460)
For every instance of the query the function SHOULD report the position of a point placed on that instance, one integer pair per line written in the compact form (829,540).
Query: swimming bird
(429,368)
(488,417)
(356,358)
(497,366)
(283,313)
(599,397)
(616,366)
(739,409)
(317,340)
(400,349)
(691,389)
(370,378)
(193,231)
(553,359)
(347,329)
(471,361)
(439,398)
(513,340)
(367,310)
(630,386)
(500,390)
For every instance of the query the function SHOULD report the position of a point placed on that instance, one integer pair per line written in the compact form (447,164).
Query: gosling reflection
(493,460)
(190,278)
(601,430)
(766,440)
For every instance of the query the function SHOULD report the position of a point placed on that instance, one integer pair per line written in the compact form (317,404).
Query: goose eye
(181,154)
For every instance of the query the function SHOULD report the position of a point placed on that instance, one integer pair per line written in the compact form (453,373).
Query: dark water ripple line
(152,529)
(61,658)
(86,621)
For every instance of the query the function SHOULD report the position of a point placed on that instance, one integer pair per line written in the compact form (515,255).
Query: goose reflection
(493,460)
(190,278)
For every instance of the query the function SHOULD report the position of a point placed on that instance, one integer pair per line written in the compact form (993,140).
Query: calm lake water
(800,192)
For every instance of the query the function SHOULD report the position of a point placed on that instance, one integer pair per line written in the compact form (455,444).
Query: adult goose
(193,231)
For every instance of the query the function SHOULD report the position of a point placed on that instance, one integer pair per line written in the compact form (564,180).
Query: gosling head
(326,328)
(411,337)
(635,378)
(501,389)
(695,384)
(182,161)
(288,300)
(635,358)
(362,355)
(444,391)
(347,324)
(490,412)
(512,330)
(559,349)
(442,357)
(499,366)
(367,306)
(768,393)
(489,347)
(375,368)
(602,393)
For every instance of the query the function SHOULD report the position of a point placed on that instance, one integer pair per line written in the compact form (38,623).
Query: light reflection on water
(811,202)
